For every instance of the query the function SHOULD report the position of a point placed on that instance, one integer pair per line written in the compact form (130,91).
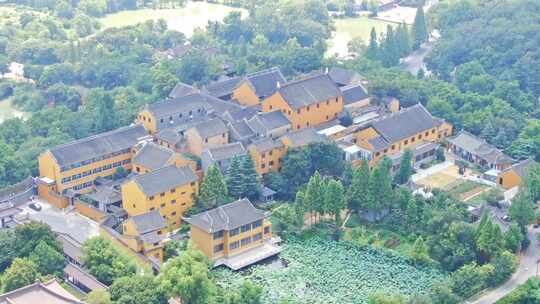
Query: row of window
(162,194)
(308,123)
(241,243)
(82,186)
(94,160)
(74,177)
(241,229)
(271,163)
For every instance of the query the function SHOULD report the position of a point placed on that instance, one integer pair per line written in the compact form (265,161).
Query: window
(192,184)
(245,241)
(298,111)
(307,108)
(257,224)
(162,205)
(152,208)
(173,190)
(378,153)
(393,147)
(433,131)
(151,198)
(206,140)
(263,166)
(218,248)
(223,135)
(137,169)
(385,150)
(234,245)
(407,141)
(257,237)
(318,106)
(266,230)
(173,213)
(412,139)
(427,133)
(161,120)
(336,100)
(126,161)
(234,232)
(298,126)
(270,107)
(327,117)
(162,194)
(263,155)
(173,202)
(328,102)
(218,235)
(245,228)
(270,153)
(271,163)
(420,136)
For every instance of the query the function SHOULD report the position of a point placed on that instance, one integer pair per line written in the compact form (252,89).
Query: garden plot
(333,272)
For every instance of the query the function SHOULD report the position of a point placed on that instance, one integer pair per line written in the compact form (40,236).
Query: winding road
(527,268)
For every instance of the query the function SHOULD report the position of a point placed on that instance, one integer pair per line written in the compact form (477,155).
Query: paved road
(415,61)
(526,269)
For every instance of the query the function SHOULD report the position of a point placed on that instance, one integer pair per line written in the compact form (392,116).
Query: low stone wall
(89,211)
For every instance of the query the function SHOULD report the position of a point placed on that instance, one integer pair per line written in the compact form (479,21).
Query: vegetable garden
(327,271)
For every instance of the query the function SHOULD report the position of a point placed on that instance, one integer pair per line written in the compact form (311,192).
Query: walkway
(526,269)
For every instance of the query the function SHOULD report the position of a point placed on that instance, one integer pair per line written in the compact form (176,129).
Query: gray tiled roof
(245,113)
(265,122)
(148,222)
(226,151)
(182,89)
(378,143)
(241,130)
(178,105)
(164,179)
(521,167)
(227,217)
(264,83)
(304,137)
(71,247)
(344,77)
(308,91)
(353,93)
(153,156)
(169,135)
(405,123)
(83,277)
(210,128)
(267,144)
(222,88)
(479,147)
(98,145)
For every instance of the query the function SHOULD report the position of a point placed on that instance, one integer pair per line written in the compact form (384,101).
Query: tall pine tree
(213,189)
(390,48)
(235,179)
(419,30)
(380,185)
(358,196)
(250,178)
(314,197)
(334,199)
(372,51)
(403,40)
(405,168)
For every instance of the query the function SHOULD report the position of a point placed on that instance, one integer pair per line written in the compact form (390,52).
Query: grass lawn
(325,271)
(465,189)
(349,28)
(185,19)
(76,293)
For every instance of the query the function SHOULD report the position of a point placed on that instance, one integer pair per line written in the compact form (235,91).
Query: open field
(185,19)
(333,272)
(440,179)
(349,28)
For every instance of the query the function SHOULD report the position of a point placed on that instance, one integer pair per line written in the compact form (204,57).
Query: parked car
(34,206)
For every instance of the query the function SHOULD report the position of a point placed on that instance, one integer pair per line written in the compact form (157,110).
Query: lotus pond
(331,272)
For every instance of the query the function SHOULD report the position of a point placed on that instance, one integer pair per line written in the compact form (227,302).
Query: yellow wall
(260,159)
(48,167)
(93,213)
(509,179)
(147,120)
(245,95)
(431,135)
(177,160)
(205,241)
(135,202)
(309,116)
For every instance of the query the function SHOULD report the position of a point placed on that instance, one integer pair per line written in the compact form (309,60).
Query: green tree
(105,262)
(522,210)
(381,298)
(380,185)
(419,29)
(442,294)
(137,289)
(531,182)
(419,252)
(314,195)
(29,236)
(235,179)
(513,238)
(22,272)
(358,195)
(248,294)
(489,240)
(187,276)
(334,200)
(250,178)
(470,279)
(98,296)
(372,51)
(48,259)
(405,168)
(213,189)
(390,48)
(103,108)
(504,264)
